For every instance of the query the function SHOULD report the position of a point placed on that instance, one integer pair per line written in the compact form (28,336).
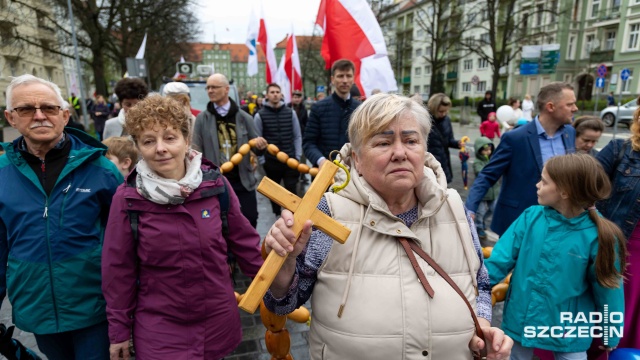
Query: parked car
(199,97)
(608,115)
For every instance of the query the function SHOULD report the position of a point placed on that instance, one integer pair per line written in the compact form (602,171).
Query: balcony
(406,80)
(607,16)
(602,56)
(452,75)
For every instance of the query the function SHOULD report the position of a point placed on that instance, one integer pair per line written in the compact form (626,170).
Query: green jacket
(480,162)
(51,245)
(553,262)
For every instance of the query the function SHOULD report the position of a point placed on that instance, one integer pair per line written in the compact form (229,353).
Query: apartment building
(18,57)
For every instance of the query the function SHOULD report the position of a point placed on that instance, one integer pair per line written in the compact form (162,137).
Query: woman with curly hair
(621,160)
(164,260)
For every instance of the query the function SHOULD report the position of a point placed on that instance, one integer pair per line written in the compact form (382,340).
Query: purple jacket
(184,306)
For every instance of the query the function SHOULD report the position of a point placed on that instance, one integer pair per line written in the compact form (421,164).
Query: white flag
(283,80)
(252,39)
(140,54)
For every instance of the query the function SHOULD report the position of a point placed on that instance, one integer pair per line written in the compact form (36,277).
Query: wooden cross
(303,209)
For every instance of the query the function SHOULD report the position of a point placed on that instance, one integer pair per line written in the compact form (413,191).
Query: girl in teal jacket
(567,262)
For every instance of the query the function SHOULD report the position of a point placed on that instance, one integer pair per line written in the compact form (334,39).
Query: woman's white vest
(385,312)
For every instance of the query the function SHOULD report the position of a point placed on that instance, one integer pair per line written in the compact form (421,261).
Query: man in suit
(522,153)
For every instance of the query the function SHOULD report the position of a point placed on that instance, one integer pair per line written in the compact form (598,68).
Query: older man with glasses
(219,132)
(53,211)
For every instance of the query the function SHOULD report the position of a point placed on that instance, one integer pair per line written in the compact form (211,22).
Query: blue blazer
(518,161)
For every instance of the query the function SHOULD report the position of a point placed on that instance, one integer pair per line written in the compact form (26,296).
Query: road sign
(624,74)
(184,68)
(600,82)
(602,71)
(475,80)
(320,88)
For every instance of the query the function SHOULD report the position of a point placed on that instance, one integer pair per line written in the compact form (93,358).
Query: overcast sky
(230,18)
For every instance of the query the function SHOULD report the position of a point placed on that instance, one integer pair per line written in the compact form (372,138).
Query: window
(420,33)
(615,6)
(471,18)
(634,32)
(416,89)
(567,78)
(13,67)
(427,69)
(467,65)
(483,63)
(539,14)
(525,23)
(553,8)
(427,51)
(417,71)
(485,14)
(466,87)
(485,39)
(571,48)
(482,86)
(595,7)
(469,41)
(611,41)
(426,89)
(586,47)
(418,52)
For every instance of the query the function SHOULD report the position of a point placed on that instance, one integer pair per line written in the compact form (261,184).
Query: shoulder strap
(409,248)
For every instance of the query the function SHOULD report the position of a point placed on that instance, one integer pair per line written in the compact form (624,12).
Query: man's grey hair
(30,79)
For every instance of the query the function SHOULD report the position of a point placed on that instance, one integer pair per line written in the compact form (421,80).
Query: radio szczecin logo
(603,325)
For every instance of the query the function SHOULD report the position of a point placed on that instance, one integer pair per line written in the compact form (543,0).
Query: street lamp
(77,56)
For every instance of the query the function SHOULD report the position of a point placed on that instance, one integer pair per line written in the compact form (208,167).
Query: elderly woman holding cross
(373,297)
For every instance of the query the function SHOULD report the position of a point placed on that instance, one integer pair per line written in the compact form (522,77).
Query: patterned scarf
(169,191)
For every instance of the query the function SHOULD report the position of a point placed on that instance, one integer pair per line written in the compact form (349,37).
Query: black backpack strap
(133,221)
(223,198)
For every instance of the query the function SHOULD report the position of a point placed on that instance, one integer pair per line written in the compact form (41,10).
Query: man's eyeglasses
(29,111)
(214,87)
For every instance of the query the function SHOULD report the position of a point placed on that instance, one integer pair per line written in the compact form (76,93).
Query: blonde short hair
(157,110)
(375,115)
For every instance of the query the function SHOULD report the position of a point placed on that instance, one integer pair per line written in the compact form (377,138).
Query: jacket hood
(431,191)
(580,222)
(480,142)
(268,105)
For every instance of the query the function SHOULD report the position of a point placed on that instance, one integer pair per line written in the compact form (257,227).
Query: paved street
(253,345)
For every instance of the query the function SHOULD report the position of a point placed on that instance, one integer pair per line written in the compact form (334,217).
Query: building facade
(590,33)
(17,57)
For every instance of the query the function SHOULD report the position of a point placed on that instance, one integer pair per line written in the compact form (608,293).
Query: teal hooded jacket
(553,262)
(51,246)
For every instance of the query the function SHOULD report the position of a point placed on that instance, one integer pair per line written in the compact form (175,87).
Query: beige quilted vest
(386,313)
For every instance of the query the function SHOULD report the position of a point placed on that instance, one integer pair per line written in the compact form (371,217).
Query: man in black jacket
(486,106)
(279,125)
(297,104)
(441,135)
(329,118)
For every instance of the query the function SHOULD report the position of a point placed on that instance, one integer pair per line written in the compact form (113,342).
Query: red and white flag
(292,64)
(266,44)
(352,32)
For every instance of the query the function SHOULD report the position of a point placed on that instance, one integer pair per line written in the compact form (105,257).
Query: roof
(239,52)
(304,42)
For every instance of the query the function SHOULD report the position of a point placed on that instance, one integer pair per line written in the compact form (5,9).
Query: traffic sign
(475,80)
(602,70)
(600,82)
(320,88)
(624,74)
(185,68)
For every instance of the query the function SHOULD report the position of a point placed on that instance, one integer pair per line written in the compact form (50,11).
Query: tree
(507,32)
(113,30)
(312,64)
(440,42)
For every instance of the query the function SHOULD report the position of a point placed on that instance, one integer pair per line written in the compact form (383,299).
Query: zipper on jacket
(65,191)
(53,293)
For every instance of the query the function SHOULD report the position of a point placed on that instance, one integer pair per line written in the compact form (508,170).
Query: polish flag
(266,44)
(352,32)
(292,64)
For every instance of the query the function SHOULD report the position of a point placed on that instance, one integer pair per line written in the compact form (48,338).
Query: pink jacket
(490,129)
(183,306)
